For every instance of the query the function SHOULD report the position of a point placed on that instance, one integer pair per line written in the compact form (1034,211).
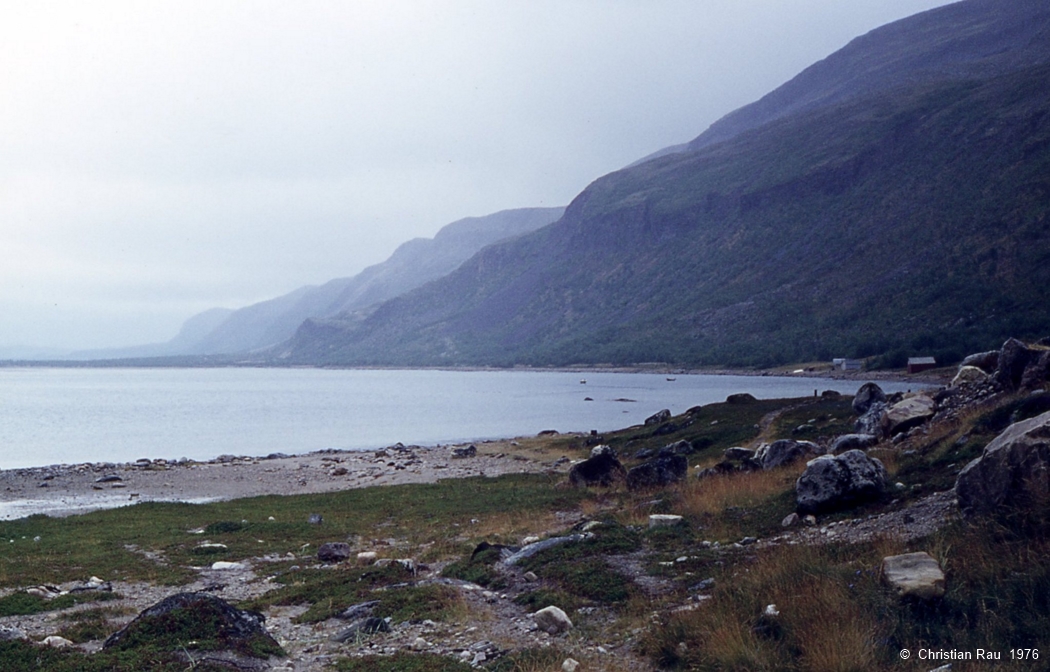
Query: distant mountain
(413,264)
(891,199)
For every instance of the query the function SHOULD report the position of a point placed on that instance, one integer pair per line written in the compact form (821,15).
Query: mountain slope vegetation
(908,217)
(880,214)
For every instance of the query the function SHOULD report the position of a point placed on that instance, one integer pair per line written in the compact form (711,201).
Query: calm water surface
(65,416)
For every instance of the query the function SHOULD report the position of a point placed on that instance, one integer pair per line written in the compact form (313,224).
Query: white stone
(663,520)
(914,574)
(223,565)
(366,557)
(570,665)
(56,642)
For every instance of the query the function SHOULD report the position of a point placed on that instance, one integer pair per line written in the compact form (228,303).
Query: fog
(158,159)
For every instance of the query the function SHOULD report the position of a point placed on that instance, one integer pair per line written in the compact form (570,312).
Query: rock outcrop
(832,482)
(601,470)
(1012,476)
(868,394)
(916,575)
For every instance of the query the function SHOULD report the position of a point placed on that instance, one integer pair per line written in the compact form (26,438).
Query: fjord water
(67,416)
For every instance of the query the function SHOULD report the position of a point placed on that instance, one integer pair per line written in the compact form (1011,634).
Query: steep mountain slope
(412,264)
(912,215)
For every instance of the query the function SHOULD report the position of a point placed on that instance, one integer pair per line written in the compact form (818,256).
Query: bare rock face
(1014,358)
(1012,475)
(908,413)
(832,482)
(868,394)
(916,575)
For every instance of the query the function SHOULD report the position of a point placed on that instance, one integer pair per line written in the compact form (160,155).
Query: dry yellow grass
(715,494)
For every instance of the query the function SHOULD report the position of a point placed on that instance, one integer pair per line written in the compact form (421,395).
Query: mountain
(891,199)
(414,263)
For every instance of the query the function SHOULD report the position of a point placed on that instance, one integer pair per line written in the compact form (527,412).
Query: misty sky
(161,158)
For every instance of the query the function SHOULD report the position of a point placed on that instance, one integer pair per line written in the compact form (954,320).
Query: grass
(24,604)
(402,662)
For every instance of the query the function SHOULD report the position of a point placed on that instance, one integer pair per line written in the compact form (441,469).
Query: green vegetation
(402,662)
(24,604)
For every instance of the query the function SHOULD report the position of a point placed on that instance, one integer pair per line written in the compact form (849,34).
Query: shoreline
(63,490)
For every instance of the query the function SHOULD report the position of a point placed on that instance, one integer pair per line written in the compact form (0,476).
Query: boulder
(852,442)
(871,421)
(10,633)
(867,395)
(1012,475)
(678,448)
(176,622)
(907,413)
(601,470)
(334,551)
(985,361)
(552,620)
(739,454)
(603,449)
(658,472)
(1014,358)
(916,575)
(1037,373)
(658,418)
(783,452)
(832,482)
(969,375)
(464,452)
(741,398)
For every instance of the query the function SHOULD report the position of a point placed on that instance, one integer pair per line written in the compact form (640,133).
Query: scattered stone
(56,642)
(334,551)
(552,620)
(658,418)
(530,577)
(533,549)
(10,633)
(358,611)
(914,575)
(1012,475)
(663,520)
(109,478)
(658,472)
(462,453)
(791,520)
(832,482)
(366,557)
(783,452)
(361,628)
(852,442)
(602,470)
(570,665)
(603,449)
(315,519)
(868,394)
(225,566)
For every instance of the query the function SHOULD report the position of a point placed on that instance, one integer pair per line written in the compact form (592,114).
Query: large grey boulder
(658,418)
(663,470)
(871,421)
(868,394)
(1012,474)
(334,551)
(985,361)
(1037,373)
(1014,358)
(601,470)
(907,414)
(916,575)
(832,482)
(970,375)
(783,452)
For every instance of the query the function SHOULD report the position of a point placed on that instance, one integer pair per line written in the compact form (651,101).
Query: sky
(158,159)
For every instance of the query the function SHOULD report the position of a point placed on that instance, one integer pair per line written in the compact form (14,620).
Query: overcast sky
(161,158)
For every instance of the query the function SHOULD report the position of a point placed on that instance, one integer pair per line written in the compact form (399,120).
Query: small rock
(570,665)
(365,626)
(420,644)
(663,520)
(56,642)
(790,520)
(334,551)
(462,453)
(552,620)
(366,557)
(315,519)
(9,633)
(531,577)
(222,565)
